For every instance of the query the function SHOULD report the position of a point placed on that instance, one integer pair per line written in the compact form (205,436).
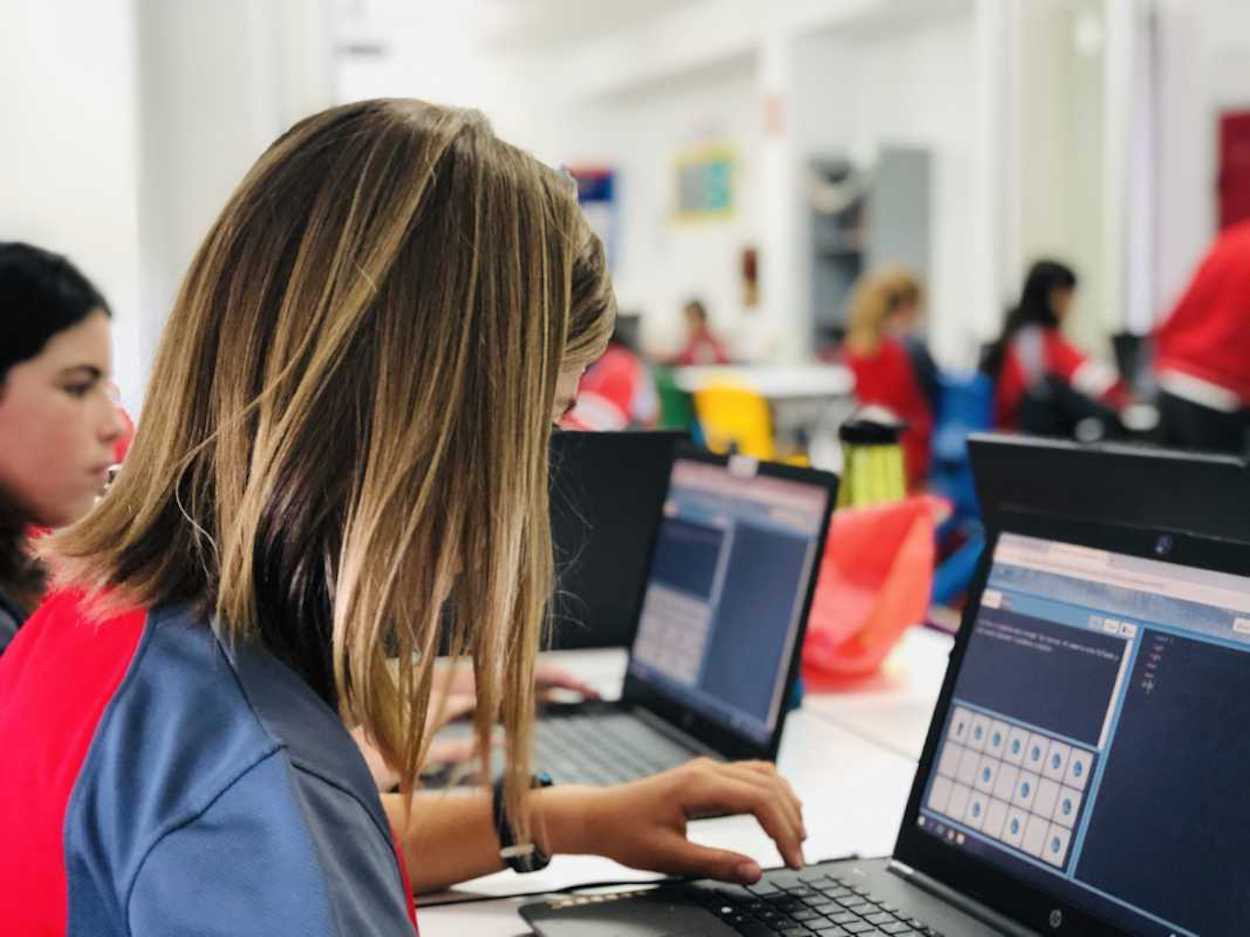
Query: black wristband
(519,858)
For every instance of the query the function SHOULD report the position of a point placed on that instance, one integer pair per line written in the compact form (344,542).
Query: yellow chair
(735,419)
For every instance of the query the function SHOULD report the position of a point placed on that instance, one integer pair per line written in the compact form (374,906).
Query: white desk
(776,382)
(893,708)
(854,792)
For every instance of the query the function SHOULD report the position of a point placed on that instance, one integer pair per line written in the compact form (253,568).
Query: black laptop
(1086,769)
(718,630)
(606,492)
(1205,492)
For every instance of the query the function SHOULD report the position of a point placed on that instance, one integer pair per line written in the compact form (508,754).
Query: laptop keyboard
(800,904)
(604,748)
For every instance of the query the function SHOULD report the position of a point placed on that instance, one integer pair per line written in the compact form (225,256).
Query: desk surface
(772,381)
(847,756)
(893,708)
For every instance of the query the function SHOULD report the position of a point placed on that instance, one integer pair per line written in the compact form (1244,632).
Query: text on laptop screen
(724,596)
(1096,745)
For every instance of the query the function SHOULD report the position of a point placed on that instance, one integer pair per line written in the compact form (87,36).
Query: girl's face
(903,320)
(1061,301)
(58,425)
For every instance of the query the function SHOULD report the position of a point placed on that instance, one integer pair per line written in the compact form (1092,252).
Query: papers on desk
(894,707)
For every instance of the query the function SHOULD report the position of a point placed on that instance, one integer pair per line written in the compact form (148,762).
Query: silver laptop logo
(1056,919)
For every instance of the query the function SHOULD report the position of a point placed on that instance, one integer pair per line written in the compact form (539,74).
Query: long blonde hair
(346,432)
(877,295)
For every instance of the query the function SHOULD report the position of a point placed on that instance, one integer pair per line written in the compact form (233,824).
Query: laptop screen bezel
(716,735)
(575,620)
(958,869)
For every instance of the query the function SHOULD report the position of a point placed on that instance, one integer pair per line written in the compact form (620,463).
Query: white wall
(218,82)
(126,123)
(68,149)
(858,90)
(661,262)
(1204,67)
(1060,146)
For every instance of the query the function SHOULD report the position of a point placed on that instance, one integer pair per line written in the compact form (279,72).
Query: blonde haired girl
(344,446)
(892,367)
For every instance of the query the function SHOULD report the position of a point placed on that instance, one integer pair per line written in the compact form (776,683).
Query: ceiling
(534,24)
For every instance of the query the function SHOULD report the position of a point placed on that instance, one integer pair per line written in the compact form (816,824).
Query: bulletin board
(705,181)
(597,194)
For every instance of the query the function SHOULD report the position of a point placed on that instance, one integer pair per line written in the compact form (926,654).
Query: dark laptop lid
(1086,765)
(606,493)
(726,598)
(1203,492)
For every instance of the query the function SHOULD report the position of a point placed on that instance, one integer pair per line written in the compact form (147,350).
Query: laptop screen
(1097,743)
(729,575)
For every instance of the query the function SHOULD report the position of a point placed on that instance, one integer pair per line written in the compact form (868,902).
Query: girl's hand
(643,824)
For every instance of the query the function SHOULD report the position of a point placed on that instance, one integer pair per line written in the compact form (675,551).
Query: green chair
(676,406)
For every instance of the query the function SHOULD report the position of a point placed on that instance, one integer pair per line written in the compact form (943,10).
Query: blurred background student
(60,429)
(618,391)
(1203,351)
(1043,383)
(891,364)
(703,346)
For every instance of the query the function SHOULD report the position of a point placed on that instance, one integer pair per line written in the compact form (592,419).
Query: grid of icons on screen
(1012,784)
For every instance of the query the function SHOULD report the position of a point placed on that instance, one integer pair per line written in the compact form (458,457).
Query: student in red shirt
(702,344)
(1202,353)
(1044,384)
(617,391)
(344,455)
(59,427)
(892,367)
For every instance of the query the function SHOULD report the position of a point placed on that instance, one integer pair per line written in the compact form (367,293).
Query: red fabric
(703,348)
(1207,335)
(47,726)
(615,381)
(1061,359)
(403,877)
(122,446)
(886,378)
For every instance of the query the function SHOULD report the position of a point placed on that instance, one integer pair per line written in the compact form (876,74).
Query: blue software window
(733,559)
(1096,744)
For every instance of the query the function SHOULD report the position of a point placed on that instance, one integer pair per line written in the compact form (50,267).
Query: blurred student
(618,391)
(346,451)
(59,426)
(703,346)
(891,364)
(1202,355)
(1044,384)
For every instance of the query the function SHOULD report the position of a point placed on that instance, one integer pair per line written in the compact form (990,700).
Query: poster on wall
(705,183)
(596,193)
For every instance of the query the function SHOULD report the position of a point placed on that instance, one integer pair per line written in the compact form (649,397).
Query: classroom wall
(1060,145)
(69,149)
(660,261)
(176,100)
(217,84)
(135,120)
(843,75)
(1204,67)
(860,89)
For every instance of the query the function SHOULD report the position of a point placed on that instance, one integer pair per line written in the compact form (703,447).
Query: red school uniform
(887,378)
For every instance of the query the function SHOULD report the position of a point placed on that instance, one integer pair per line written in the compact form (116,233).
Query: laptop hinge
(968,906)
(670,731)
